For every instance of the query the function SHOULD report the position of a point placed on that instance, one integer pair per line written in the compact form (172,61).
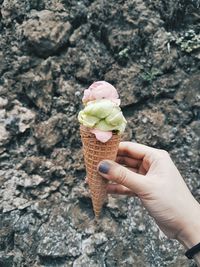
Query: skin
(151,175)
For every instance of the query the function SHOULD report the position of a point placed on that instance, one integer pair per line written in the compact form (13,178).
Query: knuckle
(122,175)
(159,154)
(164,153)
(146,161)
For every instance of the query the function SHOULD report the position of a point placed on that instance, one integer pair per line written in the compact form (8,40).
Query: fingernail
(104,167)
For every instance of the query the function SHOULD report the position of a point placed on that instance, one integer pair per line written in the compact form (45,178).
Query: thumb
(121,175)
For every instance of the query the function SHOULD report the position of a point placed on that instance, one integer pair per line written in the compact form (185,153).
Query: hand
(152,176)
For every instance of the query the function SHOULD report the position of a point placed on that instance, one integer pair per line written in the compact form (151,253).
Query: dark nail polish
(104,167)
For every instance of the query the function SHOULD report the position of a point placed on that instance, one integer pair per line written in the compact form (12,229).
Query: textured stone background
(50,50)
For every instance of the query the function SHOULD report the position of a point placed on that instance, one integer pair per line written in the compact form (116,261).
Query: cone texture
(94,151)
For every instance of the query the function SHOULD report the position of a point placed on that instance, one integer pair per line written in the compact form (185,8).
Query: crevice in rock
(23,98)
(79,21)
(54,261)
(103,38)
(91,2)
(175,14)
(17,140)
(196,113)
(129,110)
(86,205)
(62,49)
(29,103)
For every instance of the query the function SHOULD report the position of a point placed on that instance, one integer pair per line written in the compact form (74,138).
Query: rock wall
(49,52)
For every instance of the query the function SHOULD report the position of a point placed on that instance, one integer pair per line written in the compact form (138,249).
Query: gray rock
(128,84)
(3,102)
(32,181)
(46,32)
(84,260)
(193,95)
(117,206)
(78,34)
(49,133)
(6,238)
(88,245)
(4,134)
(10,181)
(60,242)
(23,117)
(6,261)
(11,10)
(37,85)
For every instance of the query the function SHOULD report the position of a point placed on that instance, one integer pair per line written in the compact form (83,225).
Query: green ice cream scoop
(103,115)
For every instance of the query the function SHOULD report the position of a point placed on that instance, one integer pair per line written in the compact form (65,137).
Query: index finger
(135,150)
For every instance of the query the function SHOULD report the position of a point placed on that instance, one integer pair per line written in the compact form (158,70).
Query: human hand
(151,175)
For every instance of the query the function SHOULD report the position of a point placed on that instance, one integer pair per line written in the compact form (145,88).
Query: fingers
(130,162)
(119,189)
(142,170)
(134,164)
(135,150)
(121,175)
(131,169)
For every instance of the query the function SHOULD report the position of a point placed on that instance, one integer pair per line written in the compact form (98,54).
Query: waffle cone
(94,151)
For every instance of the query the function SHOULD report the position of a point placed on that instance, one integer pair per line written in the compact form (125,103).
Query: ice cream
(102,124)
(102,113)
(101,90)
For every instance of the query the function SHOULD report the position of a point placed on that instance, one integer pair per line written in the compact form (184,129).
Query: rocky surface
(49,52)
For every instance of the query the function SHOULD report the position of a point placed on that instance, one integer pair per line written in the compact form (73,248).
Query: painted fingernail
(104,167)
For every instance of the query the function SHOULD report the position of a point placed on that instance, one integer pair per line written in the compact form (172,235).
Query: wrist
(189,235)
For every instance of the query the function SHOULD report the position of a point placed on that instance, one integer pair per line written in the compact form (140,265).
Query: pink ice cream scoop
(101,90)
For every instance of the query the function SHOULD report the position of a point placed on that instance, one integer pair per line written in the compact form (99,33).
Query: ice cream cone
(95,151)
